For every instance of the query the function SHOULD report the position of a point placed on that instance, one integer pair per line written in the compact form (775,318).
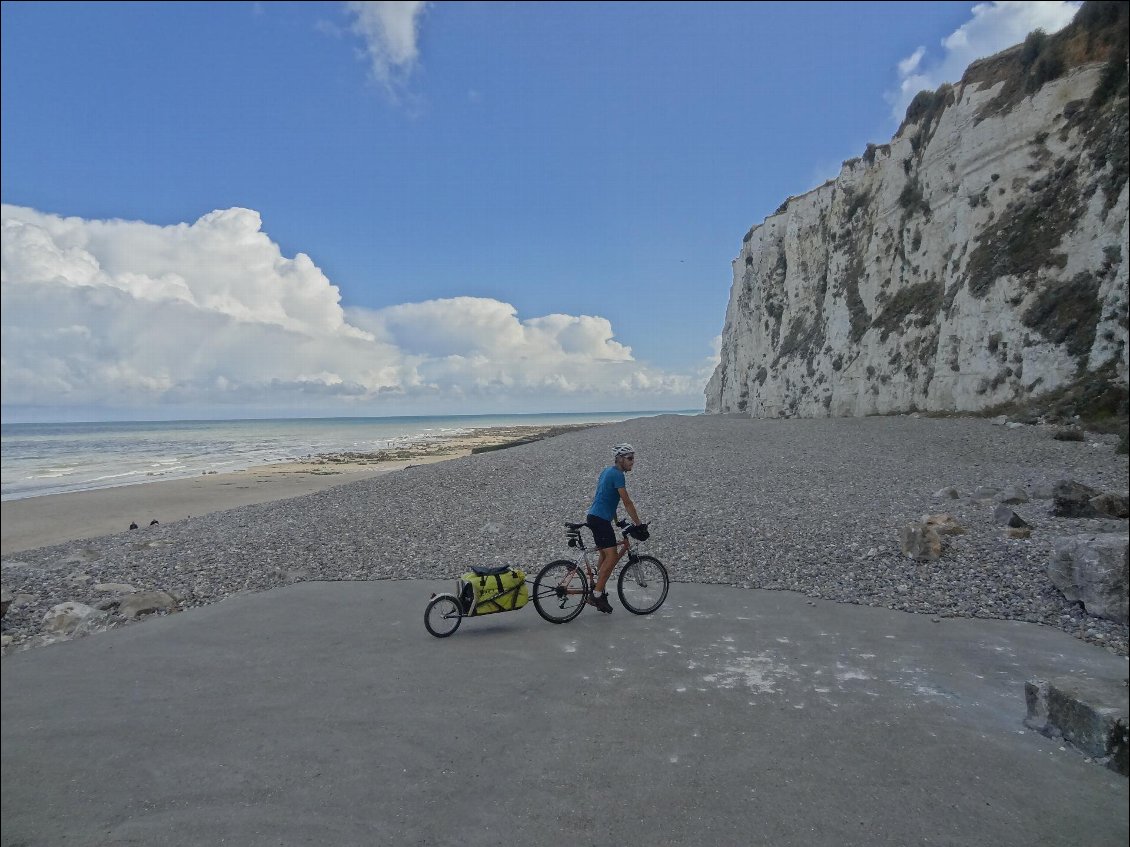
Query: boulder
(1004,516)
(22,600)
(1073,500)
(5,600)
(1069,435)
(1019,532)
(985,491)
(920,542)
(1091,715)
(71,618)
(1114,505)
(947,493)
(1093,569)
(146,602)
(943,524)
(1014,495)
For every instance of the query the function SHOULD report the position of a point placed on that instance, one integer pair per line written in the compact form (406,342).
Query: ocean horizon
(38,459)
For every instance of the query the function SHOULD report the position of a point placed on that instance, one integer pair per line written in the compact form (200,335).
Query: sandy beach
(33,522)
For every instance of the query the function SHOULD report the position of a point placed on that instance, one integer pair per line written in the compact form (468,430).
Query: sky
(228,210)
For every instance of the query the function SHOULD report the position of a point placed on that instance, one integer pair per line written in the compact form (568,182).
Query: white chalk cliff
(979,258)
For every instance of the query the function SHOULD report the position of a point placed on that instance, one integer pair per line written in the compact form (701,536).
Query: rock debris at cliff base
(813,506)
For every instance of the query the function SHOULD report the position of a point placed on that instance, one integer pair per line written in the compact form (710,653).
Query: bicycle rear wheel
(443,615)
(560,589)
(643,585)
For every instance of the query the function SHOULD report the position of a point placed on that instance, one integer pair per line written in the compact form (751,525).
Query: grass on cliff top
(1097,34)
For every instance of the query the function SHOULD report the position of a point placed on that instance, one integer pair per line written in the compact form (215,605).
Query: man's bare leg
(609,556)
(608,559)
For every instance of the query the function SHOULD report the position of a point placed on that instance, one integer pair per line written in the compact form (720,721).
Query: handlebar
(625,530)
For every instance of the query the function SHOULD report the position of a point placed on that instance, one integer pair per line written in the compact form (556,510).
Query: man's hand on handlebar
(637,531)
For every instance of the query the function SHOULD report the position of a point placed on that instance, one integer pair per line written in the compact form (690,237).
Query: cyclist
(610,491)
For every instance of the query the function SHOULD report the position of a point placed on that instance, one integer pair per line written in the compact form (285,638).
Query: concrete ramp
(324,714)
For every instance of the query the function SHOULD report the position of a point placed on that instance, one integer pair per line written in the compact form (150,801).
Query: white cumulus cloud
(993,27)
(390,31)
(128,315)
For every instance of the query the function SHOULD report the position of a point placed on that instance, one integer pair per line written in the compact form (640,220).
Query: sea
(37,459)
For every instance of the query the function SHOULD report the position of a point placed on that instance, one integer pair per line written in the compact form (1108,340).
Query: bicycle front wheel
(560,590)
(443,615)
(643,585)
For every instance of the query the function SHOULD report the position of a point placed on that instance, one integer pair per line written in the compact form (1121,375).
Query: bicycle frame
(625,546)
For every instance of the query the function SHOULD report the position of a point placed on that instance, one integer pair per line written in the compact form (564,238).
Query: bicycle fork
(637,572)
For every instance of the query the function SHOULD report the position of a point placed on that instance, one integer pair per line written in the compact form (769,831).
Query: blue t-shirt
(608,493)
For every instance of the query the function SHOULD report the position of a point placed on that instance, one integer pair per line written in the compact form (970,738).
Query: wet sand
(57,518)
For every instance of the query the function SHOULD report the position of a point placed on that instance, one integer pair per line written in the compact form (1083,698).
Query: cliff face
(978,258)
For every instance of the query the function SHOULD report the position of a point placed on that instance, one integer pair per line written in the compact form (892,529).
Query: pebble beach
(810,506)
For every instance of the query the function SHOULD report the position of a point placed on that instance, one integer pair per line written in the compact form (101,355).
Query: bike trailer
(484,591)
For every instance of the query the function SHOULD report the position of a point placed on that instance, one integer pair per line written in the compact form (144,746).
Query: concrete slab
(323,713)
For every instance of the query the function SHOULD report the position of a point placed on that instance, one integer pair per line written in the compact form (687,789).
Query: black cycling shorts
(602,533)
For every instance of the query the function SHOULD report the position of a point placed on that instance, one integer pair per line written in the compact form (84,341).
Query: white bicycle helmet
(623,450)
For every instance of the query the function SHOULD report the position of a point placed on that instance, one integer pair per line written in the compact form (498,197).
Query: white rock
(1093,569)
(146,602)
(70,618)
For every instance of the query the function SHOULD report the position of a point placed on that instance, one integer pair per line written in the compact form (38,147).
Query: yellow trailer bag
(498,590)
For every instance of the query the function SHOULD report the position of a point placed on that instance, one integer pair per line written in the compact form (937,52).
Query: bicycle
(562,587)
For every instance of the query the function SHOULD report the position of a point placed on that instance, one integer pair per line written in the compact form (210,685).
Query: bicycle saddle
(576,525)
(490,571)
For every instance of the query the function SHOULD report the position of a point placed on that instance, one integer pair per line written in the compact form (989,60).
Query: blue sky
(505,206)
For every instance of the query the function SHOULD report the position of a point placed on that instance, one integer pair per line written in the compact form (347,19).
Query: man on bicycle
(610,491)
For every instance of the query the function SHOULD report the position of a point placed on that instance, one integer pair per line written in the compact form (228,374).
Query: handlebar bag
(500,592)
